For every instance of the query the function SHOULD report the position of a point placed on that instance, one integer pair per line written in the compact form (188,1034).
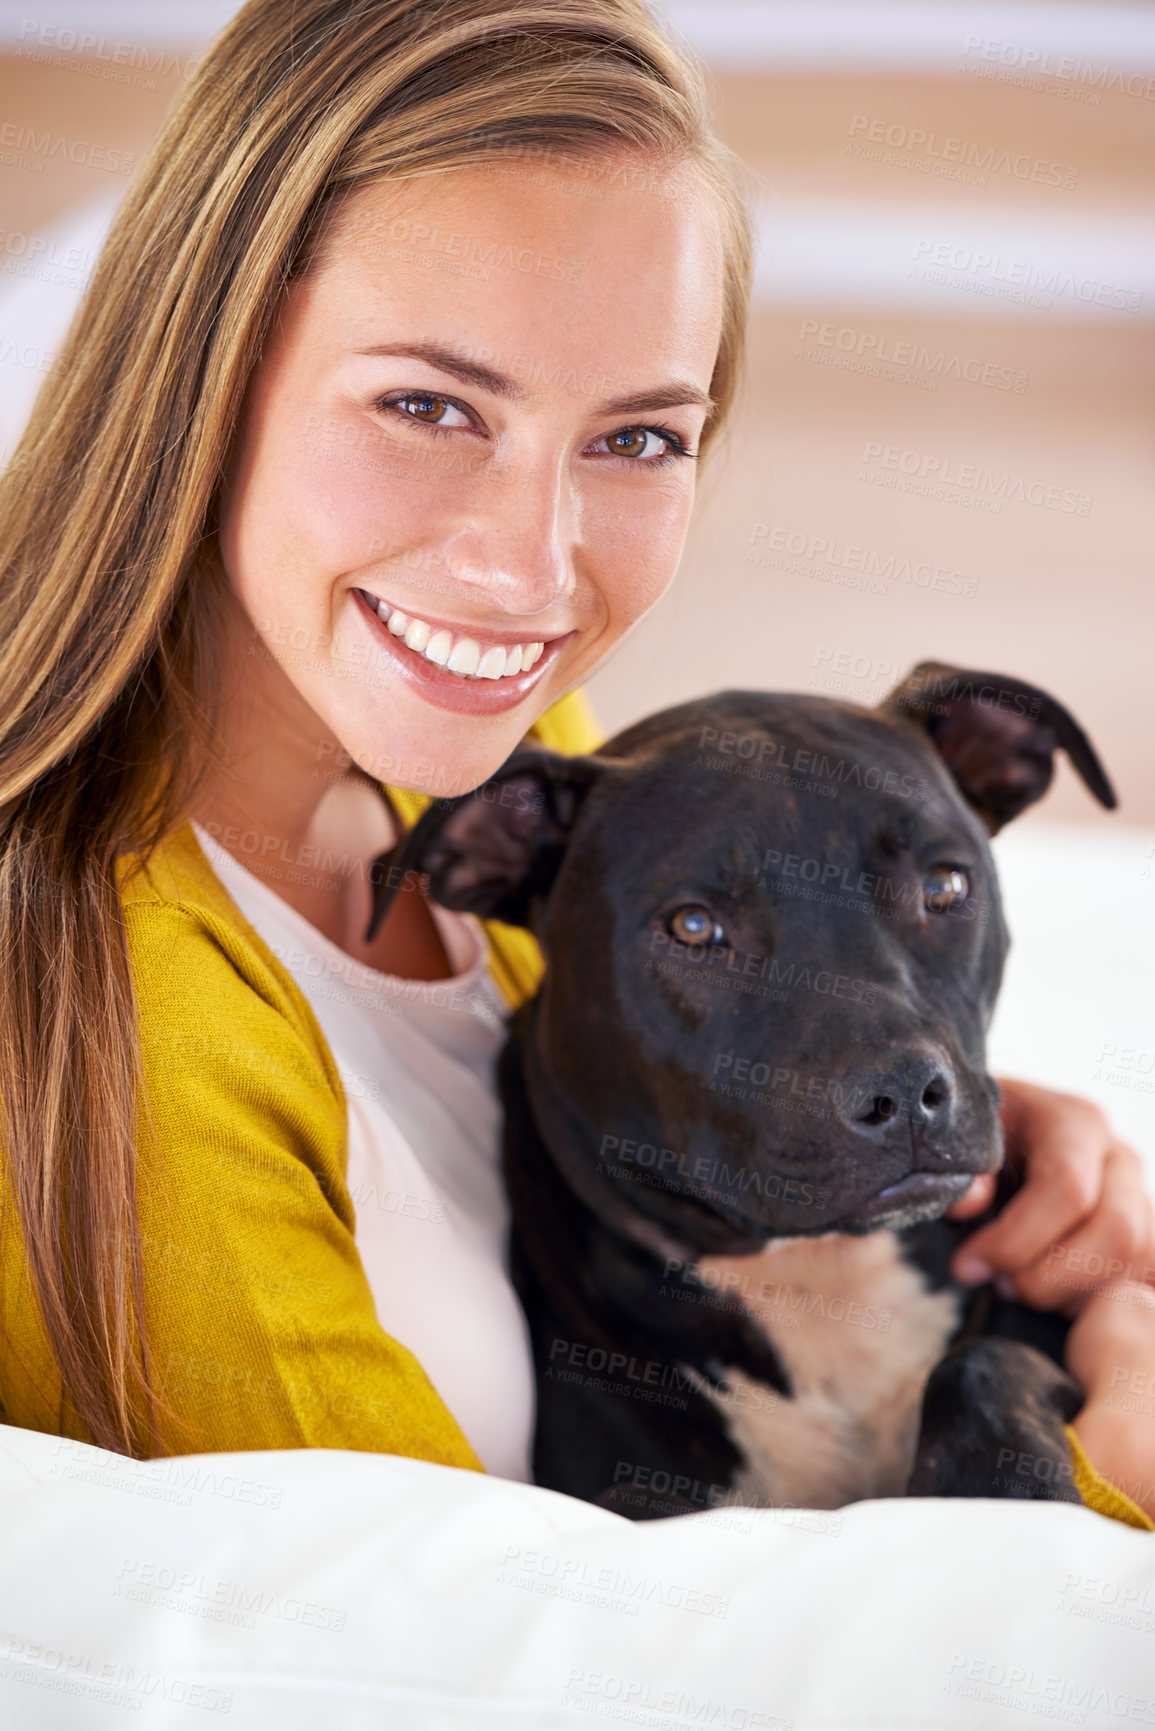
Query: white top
(417,1062)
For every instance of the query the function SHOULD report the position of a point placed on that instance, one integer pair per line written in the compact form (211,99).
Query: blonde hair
(110,584)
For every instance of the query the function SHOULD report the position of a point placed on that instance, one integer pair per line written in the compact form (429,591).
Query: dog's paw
(992,1426)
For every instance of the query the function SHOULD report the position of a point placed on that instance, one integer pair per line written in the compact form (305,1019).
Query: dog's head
(773,942)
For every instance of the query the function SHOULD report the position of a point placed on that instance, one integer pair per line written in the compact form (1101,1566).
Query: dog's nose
(917,1093)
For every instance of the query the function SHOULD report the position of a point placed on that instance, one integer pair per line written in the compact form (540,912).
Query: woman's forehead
(620,253)
(564,192)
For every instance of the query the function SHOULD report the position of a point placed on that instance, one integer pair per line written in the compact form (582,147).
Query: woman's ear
(494,851)
(997,736)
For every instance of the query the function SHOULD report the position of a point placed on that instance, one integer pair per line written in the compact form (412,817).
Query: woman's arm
(1079,1236)
(262,1325)
(1111,1351)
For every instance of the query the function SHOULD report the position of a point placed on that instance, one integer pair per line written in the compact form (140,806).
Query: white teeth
(461,655)
(465,657)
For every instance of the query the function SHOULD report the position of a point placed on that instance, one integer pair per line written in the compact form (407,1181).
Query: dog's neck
(609,1280)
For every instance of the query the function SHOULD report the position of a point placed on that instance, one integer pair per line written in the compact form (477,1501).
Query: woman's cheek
(643,543)
(356,502)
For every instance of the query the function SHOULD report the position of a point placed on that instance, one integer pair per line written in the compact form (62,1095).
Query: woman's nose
(515,546)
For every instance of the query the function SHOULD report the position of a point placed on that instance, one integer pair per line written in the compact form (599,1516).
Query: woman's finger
(976,1200)
(1115,1243)
(1065,1142)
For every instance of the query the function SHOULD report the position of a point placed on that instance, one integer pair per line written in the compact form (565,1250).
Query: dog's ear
(493,851)
(997,735)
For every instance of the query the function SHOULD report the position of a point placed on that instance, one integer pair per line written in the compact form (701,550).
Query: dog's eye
(695,924)
(944,888)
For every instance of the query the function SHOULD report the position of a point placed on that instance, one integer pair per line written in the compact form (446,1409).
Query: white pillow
(318,1590)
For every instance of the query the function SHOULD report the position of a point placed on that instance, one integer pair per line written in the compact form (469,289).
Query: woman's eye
(944,888)
(428,407)
(695,924)
(644,444)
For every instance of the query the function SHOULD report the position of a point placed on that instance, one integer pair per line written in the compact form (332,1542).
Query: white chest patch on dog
(858,1332)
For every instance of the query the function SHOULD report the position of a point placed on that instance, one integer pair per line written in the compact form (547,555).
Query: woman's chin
(434,753)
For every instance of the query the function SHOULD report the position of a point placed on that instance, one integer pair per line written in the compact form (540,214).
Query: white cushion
(316,1590)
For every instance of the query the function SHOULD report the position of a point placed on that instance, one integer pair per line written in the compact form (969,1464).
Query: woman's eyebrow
(674,395)
(469,372)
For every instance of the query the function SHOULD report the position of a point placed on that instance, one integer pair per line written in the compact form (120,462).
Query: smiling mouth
(456,652)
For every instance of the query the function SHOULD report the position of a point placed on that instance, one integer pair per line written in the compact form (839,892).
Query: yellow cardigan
(262,1326)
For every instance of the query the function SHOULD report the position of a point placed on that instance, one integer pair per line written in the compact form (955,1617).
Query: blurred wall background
(945,445)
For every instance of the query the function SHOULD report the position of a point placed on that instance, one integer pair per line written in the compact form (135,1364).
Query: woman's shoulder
(211,995)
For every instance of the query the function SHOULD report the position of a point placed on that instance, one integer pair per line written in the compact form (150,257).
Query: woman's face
(459,479)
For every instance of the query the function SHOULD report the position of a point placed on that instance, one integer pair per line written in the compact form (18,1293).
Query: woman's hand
(1082,1217)
(1111,1351)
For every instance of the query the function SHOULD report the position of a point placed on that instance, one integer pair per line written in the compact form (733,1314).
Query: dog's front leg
(992,1425)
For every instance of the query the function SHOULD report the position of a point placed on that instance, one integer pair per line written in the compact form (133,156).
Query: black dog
(751,1083)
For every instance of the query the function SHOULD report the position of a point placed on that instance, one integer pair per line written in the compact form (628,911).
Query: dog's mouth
(918,1196)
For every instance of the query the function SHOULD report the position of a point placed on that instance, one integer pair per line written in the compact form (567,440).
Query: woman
(376,432)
